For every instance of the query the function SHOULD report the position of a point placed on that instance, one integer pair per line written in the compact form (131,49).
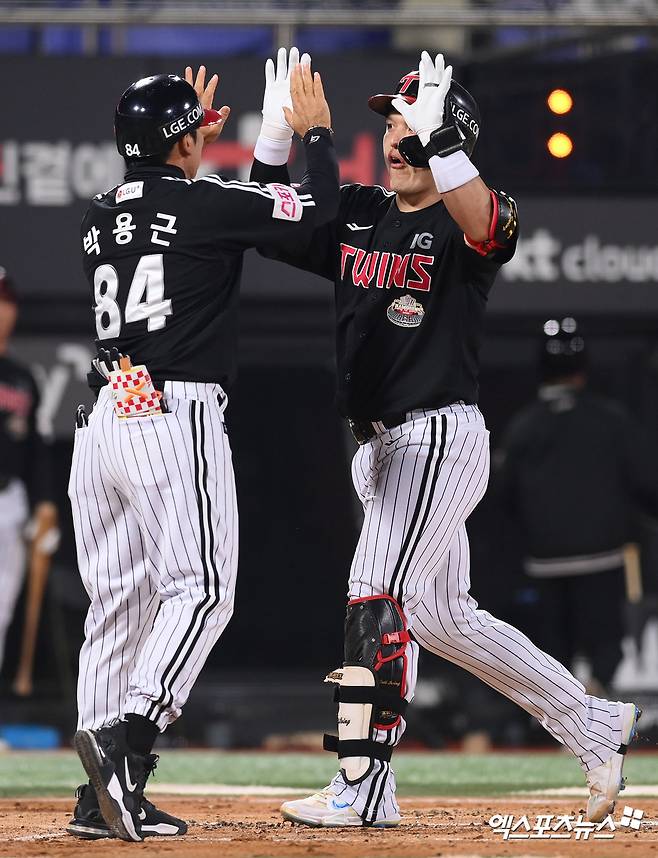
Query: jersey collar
(146,170)
(416,212)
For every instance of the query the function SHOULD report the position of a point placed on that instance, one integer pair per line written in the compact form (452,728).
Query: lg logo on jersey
(423,240)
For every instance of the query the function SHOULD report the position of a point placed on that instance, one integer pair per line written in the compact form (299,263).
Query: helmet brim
(383,103)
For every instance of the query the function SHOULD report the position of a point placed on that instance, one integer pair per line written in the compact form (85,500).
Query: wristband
(452,171)
(274,153)
(320,130)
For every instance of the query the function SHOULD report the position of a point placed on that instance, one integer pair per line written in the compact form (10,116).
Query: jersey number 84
(145,300)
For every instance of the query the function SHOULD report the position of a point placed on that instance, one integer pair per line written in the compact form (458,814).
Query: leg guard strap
(357,748)
(371,694)
(376,637)
(372,683)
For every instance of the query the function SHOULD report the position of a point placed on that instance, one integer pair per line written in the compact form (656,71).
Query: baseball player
(24,464)
(412,268)
(572,470)
(152,487)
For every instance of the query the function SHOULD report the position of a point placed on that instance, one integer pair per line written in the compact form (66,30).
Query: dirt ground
(252,828)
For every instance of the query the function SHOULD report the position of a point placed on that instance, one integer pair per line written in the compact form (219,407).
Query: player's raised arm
(487,218)
(274,141)
(272,213)
(310,118)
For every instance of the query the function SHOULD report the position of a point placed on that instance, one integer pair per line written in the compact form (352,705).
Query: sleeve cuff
(452,171)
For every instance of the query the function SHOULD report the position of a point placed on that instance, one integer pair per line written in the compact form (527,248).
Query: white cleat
(605,781)
(326,810)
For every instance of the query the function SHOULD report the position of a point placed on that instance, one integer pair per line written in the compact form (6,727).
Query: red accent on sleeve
(484,248)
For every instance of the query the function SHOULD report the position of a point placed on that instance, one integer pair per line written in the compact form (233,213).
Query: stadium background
(589,247)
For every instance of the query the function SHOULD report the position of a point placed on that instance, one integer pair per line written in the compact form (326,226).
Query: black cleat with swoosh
(118,776)
(88,823)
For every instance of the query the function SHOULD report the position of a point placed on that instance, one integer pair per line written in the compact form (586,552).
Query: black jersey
(572,451)
(410,301)
(23,454)
(163,257)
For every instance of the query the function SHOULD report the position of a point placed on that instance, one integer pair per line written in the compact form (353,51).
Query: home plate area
(250,826)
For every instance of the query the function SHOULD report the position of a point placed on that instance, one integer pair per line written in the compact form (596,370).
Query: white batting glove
(426,114)
(277,93)
(275,138)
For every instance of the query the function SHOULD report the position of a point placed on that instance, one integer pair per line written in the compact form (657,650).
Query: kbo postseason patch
(406,312)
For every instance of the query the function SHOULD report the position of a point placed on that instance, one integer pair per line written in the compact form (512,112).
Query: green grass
(58,773)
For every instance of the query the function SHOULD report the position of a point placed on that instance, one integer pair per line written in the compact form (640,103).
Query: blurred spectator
(573,469)
(24,464)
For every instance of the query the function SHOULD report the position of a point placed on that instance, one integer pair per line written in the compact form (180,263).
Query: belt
(364,430)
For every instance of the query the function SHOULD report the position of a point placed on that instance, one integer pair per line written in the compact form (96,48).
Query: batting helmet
(155,112)
(463,108)
(562,351)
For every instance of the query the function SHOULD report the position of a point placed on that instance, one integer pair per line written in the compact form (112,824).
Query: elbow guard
(372,683)
(503,228)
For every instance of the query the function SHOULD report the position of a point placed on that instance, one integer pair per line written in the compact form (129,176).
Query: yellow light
(560,145)
(560,101)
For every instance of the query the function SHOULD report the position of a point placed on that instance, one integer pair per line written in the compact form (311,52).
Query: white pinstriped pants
(418,484)
(156,528)
(13,516)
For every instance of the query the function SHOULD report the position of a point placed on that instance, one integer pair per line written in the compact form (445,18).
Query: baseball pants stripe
(155,516)
(418,484)
(449,623)
(210,573)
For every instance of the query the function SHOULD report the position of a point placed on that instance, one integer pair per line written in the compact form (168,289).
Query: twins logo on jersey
(385,270)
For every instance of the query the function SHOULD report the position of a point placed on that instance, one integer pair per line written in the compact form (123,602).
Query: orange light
(560,101)
(560,145)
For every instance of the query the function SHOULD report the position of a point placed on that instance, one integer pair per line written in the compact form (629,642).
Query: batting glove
(425,115)
(275,138)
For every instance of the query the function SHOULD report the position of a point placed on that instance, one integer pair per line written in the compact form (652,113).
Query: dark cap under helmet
(153,113)
(463,108)
(562,350)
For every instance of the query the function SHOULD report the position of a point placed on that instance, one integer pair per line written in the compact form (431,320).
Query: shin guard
(371,684)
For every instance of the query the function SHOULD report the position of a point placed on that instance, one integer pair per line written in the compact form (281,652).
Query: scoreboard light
(560,101)
(560,145)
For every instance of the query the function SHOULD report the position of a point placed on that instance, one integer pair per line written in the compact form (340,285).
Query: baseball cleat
(325,809)
(605,781)
(117,775)
(88,822)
